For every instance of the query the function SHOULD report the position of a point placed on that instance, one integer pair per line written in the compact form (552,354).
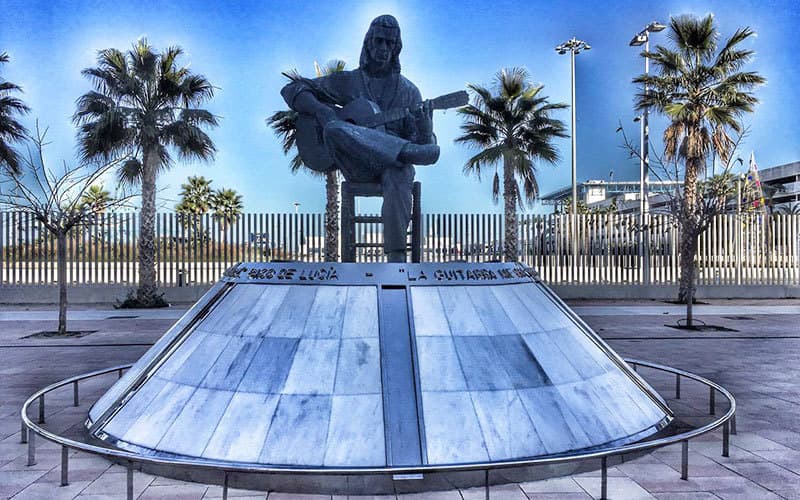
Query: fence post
(739,255)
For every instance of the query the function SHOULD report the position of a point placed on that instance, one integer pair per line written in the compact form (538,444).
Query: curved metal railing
(30,429)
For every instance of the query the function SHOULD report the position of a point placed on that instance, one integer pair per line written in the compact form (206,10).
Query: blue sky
(242,46)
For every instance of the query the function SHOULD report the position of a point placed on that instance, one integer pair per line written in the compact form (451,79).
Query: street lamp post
(642,171)
(639,39)
(574,47)
(297,230)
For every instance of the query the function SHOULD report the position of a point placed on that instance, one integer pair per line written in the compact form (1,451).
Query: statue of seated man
(371,155)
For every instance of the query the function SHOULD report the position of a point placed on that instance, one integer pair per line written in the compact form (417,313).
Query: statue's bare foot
(419,154)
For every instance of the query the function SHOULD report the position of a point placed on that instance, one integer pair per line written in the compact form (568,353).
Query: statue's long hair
(384,21)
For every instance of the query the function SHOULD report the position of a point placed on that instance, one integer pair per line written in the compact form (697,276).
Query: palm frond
(485,157)
(130,173)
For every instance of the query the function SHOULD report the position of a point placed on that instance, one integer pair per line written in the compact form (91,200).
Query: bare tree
(56,200)
(692,216)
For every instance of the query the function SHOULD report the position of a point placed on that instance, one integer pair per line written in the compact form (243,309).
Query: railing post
(119,373)
(129,482)
(733,424)
(726,439)
(225,486)
(486,483)
(604,479)
(685,459)
(712,401)
(31,449)
(64,466)
(23,432)
(41,409)
(677,386)
(646,249)
(75,399)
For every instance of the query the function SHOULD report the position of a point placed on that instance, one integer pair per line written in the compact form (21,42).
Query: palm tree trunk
(61,245)
(688,268)
(146,294)
(510,211)
(332,216)
(688,244)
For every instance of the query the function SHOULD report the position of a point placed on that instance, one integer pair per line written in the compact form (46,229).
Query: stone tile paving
(758,363)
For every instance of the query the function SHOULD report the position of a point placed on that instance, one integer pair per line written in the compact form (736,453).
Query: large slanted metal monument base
(359,377)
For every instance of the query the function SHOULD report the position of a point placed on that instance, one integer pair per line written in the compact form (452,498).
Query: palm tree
(789,209)
(146,104)
(227,207)
(702,91)
(514,127)
(95,199)
(283,124)
(10,129)
(195,201)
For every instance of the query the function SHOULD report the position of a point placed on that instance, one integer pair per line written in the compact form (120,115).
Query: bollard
(677,386)
(75,399)
(712,401)
(604,479)
(31,449)
(64,466)
(41,409)
(685,459)
(726,439)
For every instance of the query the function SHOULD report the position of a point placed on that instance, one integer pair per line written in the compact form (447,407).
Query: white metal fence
(609,248)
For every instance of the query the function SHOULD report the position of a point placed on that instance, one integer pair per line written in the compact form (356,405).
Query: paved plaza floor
(759,361)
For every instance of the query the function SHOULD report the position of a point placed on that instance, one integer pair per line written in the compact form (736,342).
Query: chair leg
(416,222)
(348,225)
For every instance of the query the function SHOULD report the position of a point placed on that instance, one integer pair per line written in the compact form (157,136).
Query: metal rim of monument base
(224,473)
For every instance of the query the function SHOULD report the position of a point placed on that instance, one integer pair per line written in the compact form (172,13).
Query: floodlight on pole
(639,39)
(574,47)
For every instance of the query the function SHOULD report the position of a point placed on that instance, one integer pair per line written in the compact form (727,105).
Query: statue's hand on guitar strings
(424,121)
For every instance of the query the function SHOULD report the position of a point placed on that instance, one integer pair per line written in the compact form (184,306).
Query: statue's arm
(424,122)
(301,98)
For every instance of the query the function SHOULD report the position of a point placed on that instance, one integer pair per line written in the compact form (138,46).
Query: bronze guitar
(361,112)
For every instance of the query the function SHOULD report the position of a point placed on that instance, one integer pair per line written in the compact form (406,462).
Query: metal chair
(350,190)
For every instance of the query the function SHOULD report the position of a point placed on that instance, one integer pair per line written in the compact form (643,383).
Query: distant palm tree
(195,201)
(146,104)
(227,207)
(95,199)
(10,129)
(790,209)
(283,124)
(515,128)
(195,196)
(703,93)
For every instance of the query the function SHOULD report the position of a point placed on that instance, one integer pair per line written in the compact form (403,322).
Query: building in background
(781,189)
(599,194)
(784,181)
